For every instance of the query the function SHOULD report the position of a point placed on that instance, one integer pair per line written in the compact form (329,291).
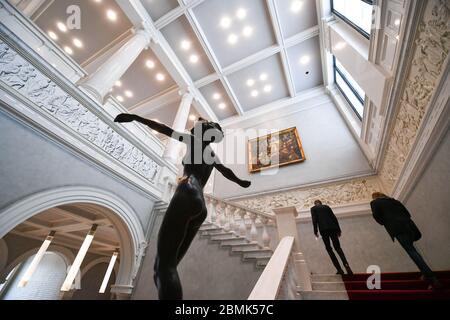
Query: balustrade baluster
(265,234)
(242,227)
(253,230)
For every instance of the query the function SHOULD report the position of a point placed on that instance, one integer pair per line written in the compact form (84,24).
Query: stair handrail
(270,281)
(238,206)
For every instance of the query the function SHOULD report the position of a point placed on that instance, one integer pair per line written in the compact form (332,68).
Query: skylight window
(357,13)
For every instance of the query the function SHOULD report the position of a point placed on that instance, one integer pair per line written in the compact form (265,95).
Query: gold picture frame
(277,149)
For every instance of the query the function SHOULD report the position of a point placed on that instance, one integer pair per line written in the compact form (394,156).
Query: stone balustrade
(241,221)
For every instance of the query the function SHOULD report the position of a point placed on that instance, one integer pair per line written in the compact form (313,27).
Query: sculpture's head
(208,131)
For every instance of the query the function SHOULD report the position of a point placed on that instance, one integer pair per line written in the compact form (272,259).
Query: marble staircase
(238,245)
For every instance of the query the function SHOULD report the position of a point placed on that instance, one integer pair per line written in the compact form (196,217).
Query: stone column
(287,226)
(121,292)
(101,81)
(179,124)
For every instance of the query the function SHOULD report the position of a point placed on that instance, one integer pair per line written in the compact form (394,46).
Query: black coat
(324,219)
(394,216)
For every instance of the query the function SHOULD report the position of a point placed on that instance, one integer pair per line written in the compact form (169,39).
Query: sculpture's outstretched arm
(159,127)
(229,174)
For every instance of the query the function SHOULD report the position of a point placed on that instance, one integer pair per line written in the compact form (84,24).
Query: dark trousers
(407,243)
(333,236)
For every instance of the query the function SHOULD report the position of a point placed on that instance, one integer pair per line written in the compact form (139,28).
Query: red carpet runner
(397,286)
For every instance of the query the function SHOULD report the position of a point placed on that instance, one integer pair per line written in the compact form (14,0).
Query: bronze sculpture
(187,210)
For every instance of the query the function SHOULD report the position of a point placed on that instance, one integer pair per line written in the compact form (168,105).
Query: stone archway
(125,221)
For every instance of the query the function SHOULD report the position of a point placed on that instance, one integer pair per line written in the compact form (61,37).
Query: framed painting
(275,150)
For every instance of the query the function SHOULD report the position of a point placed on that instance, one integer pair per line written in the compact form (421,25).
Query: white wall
(330,149)
(31,163)
(429,205)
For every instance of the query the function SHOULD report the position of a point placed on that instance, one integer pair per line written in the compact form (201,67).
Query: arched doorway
(71,212)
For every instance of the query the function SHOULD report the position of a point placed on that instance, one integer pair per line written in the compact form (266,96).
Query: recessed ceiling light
(241,13)
(192,117)
(68,50)
(263,76)
(222,105)
(247,31)
(216,96)
(77,43)
(98,1)
(250,82)
(129,94)
(232,38)
(268,88)
(193,58)
(160,77)
(225,22)
(111,14)
(53,35)
(185,45)
(150,64)
(296,6)
(155,132)
(118,83)
(61,26)
(120,98)
(255,93)
(156,120)
(397,22)
(305,60)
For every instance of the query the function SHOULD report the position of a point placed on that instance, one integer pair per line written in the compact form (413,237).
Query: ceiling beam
(195,25)
(138,15)
(64,243)
(280,40)
(157,102)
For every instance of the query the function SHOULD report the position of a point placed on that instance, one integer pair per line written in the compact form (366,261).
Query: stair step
(234,242)
(261,263)
(398,295)
(209,228)
(395,284)
(328,286)
(245,247)
(326,278)
(324,295)
(223,236)
(256,254)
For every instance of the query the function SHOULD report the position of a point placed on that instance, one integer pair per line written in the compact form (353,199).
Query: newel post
(287,226)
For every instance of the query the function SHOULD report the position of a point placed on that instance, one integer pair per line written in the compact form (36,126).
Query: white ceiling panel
(235,29)
(145,78)
(158,8)
(296,16)
(260,83)
(306,64)
(218,99)
(187,47)
(96,31)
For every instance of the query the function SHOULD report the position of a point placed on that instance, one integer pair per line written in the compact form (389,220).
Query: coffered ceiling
(241,55)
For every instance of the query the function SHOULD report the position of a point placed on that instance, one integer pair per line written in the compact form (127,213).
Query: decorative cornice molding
(355,191)
(425,73)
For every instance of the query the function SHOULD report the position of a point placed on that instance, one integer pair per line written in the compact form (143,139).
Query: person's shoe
(436,285)
(349,270)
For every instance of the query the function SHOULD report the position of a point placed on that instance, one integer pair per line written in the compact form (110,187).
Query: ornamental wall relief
(354,191)
(430,54)
(20,75)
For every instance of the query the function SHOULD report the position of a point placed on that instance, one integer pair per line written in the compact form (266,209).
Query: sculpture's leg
(191,231)
(182,208)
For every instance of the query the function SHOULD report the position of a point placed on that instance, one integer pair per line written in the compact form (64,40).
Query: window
(357,13)
(349,88)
